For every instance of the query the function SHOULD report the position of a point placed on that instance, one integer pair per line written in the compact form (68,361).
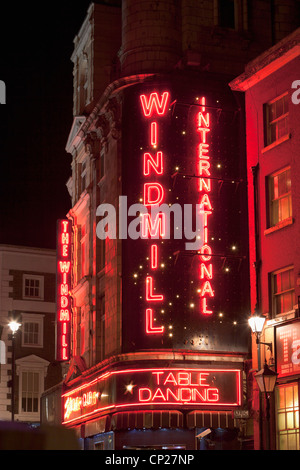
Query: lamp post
(14,326)
(266,380)
(256,323)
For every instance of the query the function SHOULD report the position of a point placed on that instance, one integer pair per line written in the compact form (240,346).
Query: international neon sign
(63,286)
(140,388)
(153,106)
(203,122)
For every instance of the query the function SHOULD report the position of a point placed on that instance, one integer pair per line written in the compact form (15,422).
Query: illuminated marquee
(154,194)
(63,279)
(204,188)
(137,388)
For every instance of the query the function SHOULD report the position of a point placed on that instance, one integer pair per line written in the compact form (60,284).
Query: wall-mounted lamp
(256,323)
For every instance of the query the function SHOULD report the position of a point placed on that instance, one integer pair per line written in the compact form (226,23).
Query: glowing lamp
(14,326)
(256,323)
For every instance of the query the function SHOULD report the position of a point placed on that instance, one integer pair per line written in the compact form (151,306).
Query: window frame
(274,296)
(37,319)
(271,199)
(240,12)
(267,122)
(33,364)
(41,287)
(282,415)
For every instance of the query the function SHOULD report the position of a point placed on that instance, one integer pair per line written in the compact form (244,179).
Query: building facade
(28,297)
(156,319)
(270,84)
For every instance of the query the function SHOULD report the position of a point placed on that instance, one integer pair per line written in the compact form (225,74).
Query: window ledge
(280,225)
(277,142)
(281,317)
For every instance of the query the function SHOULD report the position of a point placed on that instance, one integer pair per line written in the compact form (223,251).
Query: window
(33,287)
(287,417)
(280,199)
(227,14)
(32,330)
(283,292)
(30,392)
(32,371)
(231,14)
(276,119)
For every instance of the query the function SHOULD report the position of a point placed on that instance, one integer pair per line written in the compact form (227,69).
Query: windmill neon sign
(153,106)
(63,300)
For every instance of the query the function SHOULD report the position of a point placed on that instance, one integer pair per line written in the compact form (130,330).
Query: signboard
(63,286)
(139,388)
(288,349)
(185,274)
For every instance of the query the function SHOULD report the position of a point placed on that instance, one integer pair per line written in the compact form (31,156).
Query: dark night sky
(36,43)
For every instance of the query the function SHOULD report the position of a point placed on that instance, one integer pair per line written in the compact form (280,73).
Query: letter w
(153,102)
(64,266)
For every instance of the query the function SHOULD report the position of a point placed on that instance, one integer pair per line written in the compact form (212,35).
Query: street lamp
(266,380)
(256,323)
(14,326)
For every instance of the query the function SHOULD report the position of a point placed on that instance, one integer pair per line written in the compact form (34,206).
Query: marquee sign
(140,388)
(63,285)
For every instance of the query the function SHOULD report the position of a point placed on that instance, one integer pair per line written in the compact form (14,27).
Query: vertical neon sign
(203,119)
(153,106)
(63,282)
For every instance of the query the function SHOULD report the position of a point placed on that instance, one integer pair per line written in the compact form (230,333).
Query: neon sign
(63,301)
(204,188)
(122,389)
(154,194)
(288,349)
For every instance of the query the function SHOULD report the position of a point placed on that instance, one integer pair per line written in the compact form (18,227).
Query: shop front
(140,407)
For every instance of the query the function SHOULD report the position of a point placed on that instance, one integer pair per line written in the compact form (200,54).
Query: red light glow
(154,104)
(154,194)
(63,298)
(155,163)
(164,386)
(204,187)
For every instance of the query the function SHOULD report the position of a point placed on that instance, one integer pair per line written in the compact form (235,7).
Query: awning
(146,420)
(156,419)
(212,419)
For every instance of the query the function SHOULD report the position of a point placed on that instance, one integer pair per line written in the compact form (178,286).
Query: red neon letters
(154,194)
(179,387)
(193,388)
(63,319)
(204,188)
